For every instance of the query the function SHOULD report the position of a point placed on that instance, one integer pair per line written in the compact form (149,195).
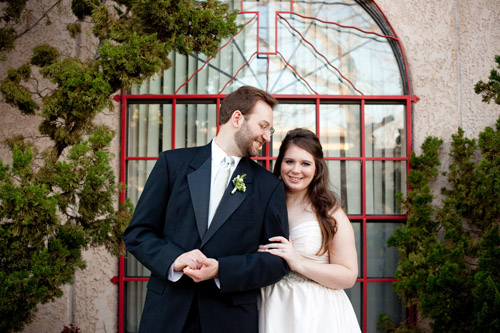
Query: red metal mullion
(408,131)
(317,117)
(121,261)
(258,30)
(171,96)
(400,98)
(363,213)
(267,76)
(149,158)
(218,109)
(141,158)
(381,279)
(411,310)
(267,159)
(276,13)
(338,158)
(174,112)
(377,218)
(121,293)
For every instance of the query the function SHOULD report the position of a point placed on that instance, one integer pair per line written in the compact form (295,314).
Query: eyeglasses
(267,128)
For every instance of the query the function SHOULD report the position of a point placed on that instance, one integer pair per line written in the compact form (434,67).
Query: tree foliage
(58,201)
(491,89)
(449,265)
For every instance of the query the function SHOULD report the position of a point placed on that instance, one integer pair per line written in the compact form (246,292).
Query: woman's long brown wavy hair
(323,200)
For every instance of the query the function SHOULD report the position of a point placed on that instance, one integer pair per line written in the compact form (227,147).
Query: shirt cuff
(173,275)
(217,282)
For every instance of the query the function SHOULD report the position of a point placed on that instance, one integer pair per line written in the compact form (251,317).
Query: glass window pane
(137,174)
(195,124)
(383,180)
(316,52)
(136,294)
(289,116)
(381,260)
(355,296)
(135,268)
(385,134)
(340,130)
(149,129)
(381,298)
(358,239)
(345,179)
(333,65)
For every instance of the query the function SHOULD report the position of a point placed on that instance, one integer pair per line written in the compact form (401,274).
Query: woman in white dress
(321,251)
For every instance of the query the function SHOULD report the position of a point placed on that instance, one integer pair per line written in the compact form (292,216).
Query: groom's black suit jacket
(171,218)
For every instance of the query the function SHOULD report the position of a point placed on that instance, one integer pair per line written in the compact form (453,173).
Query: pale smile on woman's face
(297,169)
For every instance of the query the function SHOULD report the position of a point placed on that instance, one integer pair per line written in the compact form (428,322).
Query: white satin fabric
(297,304)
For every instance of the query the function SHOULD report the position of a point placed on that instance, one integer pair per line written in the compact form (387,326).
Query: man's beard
(244,141)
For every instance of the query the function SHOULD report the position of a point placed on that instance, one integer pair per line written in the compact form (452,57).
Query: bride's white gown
(297,304)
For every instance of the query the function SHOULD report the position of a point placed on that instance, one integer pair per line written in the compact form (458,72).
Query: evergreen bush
(61,200)
(449,266)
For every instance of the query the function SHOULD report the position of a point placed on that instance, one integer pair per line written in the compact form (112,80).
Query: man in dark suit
(206,271)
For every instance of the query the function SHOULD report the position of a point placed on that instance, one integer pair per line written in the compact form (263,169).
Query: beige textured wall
(92,301)
(449,46)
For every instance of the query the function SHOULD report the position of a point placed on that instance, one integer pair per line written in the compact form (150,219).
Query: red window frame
(363,218)
(406,100)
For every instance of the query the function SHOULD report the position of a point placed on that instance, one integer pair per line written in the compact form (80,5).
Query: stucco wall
(449,46)
(92,301)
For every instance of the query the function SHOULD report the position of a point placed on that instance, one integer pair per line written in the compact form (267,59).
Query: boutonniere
(239,183)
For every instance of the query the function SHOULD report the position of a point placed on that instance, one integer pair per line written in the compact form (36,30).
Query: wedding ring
(282,250)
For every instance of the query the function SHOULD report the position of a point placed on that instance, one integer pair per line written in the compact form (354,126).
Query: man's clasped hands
(197,266)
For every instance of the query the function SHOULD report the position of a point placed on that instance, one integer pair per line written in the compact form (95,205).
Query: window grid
(362,218)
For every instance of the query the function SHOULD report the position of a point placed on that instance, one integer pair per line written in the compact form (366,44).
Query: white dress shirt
(218,156)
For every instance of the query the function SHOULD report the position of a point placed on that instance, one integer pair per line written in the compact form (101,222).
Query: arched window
(338,69)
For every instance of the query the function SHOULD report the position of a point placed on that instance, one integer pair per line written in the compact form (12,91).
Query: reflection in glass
(356,299)
(149,129)
(315,54)
(195,124)
(381,260)
(340,130)
(381,298)
(136,294)
(384,179)
(289,116)
(345,178)
(385,131)
(137,174)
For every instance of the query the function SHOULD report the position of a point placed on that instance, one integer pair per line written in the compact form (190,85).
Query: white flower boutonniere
(239,183)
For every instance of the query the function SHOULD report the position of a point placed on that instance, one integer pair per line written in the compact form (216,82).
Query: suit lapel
(229,202)
(199,187)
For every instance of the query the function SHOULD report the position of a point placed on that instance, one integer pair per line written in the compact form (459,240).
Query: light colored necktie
(219,187)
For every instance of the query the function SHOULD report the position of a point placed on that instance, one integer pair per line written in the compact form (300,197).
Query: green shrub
(58,202)
(449,266)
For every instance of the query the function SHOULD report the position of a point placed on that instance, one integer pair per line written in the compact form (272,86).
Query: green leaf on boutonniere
(239,183)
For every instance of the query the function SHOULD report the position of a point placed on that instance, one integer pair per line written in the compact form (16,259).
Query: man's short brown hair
(243,99)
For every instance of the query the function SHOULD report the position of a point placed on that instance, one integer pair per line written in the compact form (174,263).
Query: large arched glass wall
(337,68)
